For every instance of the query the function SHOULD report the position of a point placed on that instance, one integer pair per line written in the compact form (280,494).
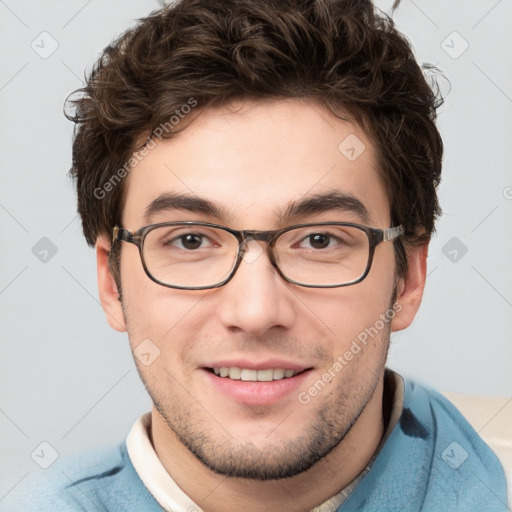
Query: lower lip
(256,393)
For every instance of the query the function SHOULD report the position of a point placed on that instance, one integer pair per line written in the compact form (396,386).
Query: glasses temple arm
(392,233)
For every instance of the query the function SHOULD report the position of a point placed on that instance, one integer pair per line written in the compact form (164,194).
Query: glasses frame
(375,237)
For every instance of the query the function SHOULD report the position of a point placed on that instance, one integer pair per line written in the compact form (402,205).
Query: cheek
(168,318)
(341,315)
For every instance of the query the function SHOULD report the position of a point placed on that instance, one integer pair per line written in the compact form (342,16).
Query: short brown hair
(344,54)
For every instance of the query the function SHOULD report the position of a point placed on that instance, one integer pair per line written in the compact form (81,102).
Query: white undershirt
(152,472)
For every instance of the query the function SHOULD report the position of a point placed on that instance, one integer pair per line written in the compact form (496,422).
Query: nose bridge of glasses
(255,236)
(258,237)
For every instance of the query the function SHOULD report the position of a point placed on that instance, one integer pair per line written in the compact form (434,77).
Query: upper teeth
(254,375)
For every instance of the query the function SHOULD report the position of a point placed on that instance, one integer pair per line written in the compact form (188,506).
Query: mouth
(261,384)
(248,374)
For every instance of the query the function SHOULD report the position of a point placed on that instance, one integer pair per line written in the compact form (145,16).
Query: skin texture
(253,160)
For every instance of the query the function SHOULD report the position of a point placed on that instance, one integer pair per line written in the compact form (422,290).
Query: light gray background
(66,378)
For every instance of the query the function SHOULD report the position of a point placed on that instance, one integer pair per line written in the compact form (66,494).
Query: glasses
(199,255)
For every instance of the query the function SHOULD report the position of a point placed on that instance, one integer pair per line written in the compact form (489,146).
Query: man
(259,180)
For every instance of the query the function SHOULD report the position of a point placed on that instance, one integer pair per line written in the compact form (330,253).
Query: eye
(189,241)
(319,240)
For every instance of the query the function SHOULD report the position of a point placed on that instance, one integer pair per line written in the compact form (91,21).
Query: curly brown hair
(344,54)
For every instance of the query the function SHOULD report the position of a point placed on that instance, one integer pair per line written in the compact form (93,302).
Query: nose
(256,299)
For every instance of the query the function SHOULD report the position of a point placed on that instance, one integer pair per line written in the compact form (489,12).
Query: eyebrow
(331,201)
(319,203)
(170,202)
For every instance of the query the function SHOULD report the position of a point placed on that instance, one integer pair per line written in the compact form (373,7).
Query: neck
(217,493)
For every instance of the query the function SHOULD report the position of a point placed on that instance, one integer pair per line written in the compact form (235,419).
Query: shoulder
(102,480)
(426,406)
(464,472)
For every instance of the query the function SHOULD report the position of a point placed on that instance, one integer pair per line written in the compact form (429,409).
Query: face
(254,162)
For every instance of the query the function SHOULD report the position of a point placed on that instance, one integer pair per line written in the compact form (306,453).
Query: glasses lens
(189,255)
(323,255)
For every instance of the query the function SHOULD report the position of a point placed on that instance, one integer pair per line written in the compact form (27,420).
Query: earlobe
(410,288)
(107,287)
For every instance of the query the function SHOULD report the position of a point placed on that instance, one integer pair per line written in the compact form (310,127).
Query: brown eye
(319,240)
(191,241)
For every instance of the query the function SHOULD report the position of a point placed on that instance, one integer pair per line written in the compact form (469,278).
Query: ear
(410,288)
(107,287)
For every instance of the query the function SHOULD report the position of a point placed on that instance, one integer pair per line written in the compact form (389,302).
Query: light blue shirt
(433,461)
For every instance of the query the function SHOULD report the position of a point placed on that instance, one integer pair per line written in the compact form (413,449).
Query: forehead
(253,160)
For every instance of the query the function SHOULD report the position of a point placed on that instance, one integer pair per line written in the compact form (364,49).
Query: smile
(247,374)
